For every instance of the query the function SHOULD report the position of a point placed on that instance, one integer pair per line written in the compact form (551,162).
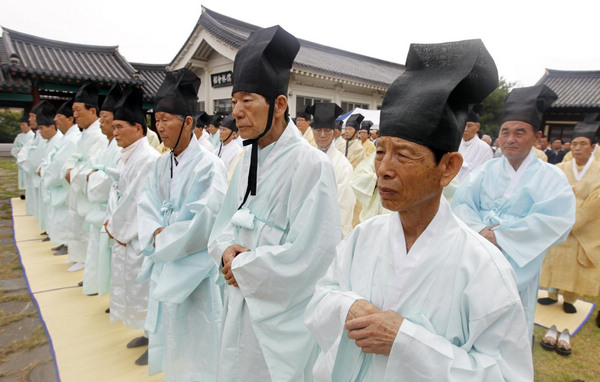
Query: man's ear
(281,104)
(449,165)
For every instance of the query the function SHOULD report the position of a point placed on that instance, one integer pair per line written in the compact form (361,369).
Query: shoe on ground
(563,345)
(58,247)
(143,360)
(80,283)
(550,338)
(547,301)
(62,251)
(598,319)
(569,308)
(46,238)
(76,267)
(137,342)
(43,233)
(22,197)
(107,310)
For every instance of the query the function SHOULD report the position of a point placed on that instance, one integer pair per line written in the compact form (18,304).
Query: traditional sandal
(550,339)
(563,345)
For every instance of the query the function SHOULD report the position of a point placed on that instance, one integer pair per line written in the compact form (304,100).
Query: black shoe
(143,360)
(80,283)
(22,197)
(43,233)
(58,247)
(598,319)
(569,308)
(62,251)
(107,310)
(46,238)
(547,301)
(92,294)
(137,342)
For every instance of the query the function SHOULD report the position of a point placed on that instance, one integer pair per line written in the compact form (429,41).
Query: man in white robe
(520,204)
(324,126)
(20,140)
(474,151)
(228,150)
(416,295)
(129,299)
(176,212)
(213,130)
(29,158)
(77,168)
(56,184)
(277,230)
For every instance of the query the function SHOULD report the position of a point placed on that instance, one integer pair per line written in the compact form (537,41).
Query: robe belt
(166,210)
(244,218)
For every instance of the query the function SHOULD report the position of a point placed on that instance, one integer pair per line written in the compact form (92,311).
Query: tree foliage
(9,125)
(490,113)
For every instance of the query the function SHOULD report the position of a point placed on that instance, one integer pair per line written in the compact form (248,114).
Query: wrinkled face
(407,175)
(168,127)
(225,136)
(581,148)
(516,139)
(251,112)
(363,135)
(323,137)
(106,121)
(24,126)
(471,128)
(126,133)
(47,132)
(302,124)
(83,117)
(349,132)
(556,144)
(32,121)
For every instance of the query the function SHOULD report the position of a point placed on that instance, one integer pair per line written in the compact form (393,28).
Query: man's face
(32,121)
(556,144)
(83,117)
(566,146)
(323,137)
(543,143)
(62,123)
(336,133)
(374,134)
(106,121)
(168,127)
(471,128)
(407,175)
(349,132)
(251,112)
(302,124)
(516,139)
(126,133)
(212,129)
(363,135)
(47,132)
(581,148)
(24,126)
(226,135)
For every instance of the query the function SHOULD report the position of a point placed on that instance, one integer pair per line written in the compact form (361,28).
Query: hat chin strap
(176,143)
(252,173)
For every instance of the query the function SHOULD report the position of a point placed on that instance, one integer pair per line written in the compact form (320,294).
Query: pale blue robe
(20,140)
(215,139)
(535,210)
(44,206)
(33,155)
(58,187)
(184,304)
(291,228)
(463,320)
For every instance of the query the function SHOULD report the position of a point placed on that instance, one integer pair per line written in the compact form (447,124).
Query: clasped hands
(111,236)
(230,253)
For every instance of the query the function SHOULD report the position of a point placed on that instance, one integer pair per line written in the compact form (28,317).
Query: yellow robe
(369,147)
(356,153)
(540,154)
(569,156)
(574,265)
(309,136)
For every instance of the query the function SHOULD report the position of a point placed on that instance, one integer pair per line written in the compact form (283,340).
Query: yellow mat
(548,315)
(86,345)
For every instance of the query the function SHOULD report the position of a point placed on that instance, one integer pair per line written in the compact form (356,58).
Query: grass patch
(38,338)
(13,297)
(6,319)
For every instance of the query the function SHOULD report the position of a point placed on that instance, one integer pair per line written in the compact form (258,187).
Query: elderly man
(176,211)
(474,151)
(29,158)
(229,150)
(20,141)
(129,299)
(350,146)
(324,126)
(303,123)
(416,295)
(278,227)
(519,203)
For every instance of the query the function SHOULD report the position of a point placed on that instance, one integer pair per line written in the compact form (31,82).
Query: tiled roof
(44,58)
(575,89)
(152,75)
(312,57)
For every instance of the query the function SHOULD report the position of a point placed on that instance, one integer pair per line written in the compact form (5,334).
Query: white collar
(127,151)
(579,175)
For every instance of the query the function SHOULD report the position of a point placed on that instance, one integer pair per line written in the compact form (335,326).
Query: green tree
(9,125)
(490,114)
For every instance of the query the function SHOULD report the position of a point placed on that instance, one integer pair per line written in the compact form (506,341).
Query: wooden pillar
(35,92)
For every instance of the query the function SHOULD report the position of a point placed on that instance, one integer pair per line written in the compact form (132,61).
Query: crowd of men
(315,253)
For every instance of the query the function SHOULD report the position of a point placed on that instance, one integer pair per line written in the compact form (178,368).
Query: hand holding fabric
(490,235)
(375,333)
(230,253)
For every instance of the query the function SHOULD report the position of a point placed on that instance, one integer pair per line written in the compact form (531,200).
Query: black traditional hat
(325,115)
(304,113)
(339,124)
(25,117)
(88,94)
(202,119)
(263,64)
(588,128)
(229,122)
(355,120)
(44,113)
(366,125)
(473,115)
(112,97)
(215,120)
(129,107)
(66,109)
(178,94)
(428,103)
(528,105)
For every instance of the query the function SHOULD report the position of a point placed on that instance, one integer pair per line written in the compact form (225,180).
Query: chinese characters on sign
(221,79)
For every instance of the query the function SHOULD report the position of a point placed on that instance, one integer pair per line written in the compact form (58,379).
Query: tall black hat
(229,122)
(355,120)
(215,120)
(129,107)
(44,113)
(66,109)
(202,119)
(304,113)
(112,97)
(88,94)
(528,105)
(25,117)
(588,128)
(325,115)
(428,103)
(366,125)
(339,124)
(473,115)
(178,94)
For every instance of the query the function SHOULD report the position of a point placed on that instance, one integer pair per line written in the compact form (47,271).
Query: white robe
(58,187)
(128,299)
(44,195)
(20,140)
(291,227)
(475,152)
(184,303)
(346,199)
(534,208)
(215,139)
(463,320)
(30,157)
(228,153)
(204,142)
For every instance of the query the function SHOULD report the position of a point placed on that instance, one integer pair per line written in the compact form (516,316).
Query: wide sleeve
(587,226)
(466,200)
(346,198)
(364,180)
(52,174)
(17,145)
